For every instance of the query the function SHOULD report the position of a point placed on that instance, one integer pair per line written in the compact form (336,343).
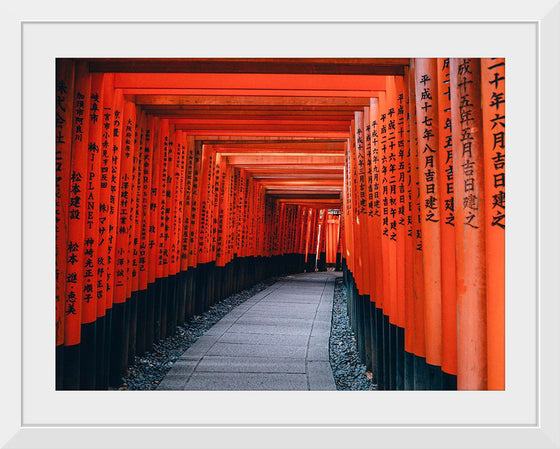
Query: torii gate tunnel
(182,181)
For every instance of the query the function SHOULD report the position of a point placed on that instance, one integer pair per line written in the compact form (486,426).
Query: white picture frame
(528,415)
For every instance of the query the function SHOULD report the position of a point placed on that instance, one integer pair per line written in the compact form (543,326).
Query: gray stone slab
(323,316)
(267,329)
(183,368)
(229,320)
(281,296)
(320,376)
(325,307)
(299,294)
(173,382)
(319,340)
(321,332)
(324,310)
(318,332)
(266,307)
(297,291)
(167,386)
(319,325)
(264,339)
(275,321)
(272,307)
(283,313)
(287,299)
(214,331)
(235,313)
(202,345)
(205,340)
(252,300)
(236,349)
(241,309)
(246,381)
(219,326)
(291,300)
(251,365)
(318,353)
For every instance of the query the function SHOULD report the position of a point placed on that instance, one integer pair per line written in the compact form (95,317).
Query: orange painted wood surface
(75,248)
(63,144)
(447,220)
(430,204)
(468,159)
(418,256)
(94,302)
(493,123)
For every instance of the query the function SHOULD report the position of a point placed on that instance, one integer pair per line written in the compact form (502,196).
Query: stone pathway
(276,340)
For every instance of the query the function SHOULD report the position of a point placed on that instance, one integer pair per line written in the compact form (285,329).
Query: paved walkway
(276,340)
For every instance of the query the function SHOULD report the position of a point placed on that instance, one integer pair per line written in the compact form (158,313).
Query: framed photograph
(525,415)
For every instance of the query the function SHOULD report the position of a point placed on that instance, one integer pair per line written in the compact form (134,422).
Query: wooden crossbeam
(226,100)
(330,66)
(287,160)
(240,81)
(257,92)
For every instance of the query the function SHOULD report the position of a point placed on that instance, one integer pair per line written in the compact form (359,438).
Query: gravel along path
(349,373)
(150,368)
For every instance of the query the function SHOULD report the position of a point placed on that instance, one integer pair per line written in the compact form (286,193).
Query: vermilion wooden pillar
(64,108)
(181,293)
(195,206)
(153,300)
(169,258)
(428,144)
(447,224)
(137,322)
(493,123)
(353,227)
(187,205)
(132,253)
(91,309)
(369,218)
(108,168)
(390,172)
(361,203)
(75,249)
(143,333)
(420,381)
(380,287)
(347,215)
(388,243)
(409,302)
(164,199)
(468,173)
(401,198)
(124,119)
